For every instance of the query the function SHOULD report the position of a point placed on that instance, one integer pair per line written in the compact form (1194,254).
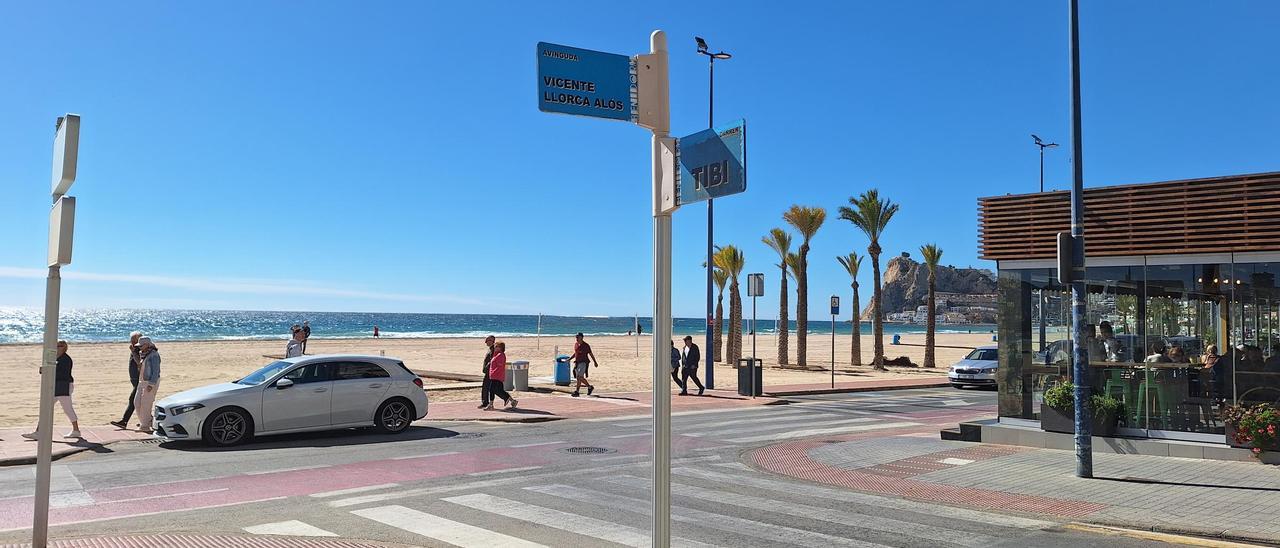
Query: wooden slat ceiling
(1217,215)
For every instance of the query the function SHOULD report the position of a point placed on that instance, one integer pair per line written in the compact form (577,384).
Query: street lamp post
(1043,145)
(1079,353)
(711,122)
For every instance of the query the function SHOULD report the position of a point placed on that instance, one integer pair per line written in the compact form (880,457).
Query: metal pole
(1080,350)
(44,429)
(1041,167)
(661,534)
(833,351)
(711,349)
(752,371)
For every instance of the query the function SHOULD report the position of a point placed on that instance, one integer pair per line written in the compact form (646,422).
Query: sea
(24,325)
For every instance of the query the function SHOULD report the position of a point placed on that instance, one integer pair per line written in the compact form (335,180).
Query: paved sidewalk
(207,541)
(15,449)
(855,386)
(1232,500)
(543,407)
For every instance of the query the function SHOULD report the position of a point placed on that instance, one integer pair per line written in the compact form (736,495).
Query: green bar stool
(1118,386)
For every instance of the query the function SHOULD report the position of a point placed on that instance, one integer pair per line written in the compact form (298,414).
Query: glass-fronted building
(1183,305)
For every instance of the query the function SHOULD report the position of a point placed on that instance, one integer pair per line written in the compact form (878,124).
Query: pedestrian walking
(675,366)
(293,348)
(134,361)
(375,331)
(306,334)
(497,376)
(148,383)
(63,386)
(582,358)
(689,366)
(485,396)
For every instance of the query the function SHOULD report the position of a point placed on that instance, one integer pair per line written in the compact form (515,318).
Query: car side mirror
(283,384)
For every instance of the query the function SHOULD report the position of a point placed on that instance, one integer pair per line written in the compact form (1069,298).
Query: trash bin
(562,371)
(745,373)
(897,339)
(518,375)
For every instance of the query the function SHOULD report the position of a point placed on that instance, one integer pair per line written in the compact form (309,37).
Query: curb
(815,391)
(57,455)
(1215,534)
(502,419)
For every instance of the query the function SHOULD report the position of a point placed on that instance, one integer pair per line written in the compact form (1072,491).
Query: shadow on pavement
(330,438)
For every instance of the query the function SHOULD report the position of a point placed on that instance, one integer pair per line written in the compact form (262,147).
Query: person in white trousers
(148,384)
(63,387)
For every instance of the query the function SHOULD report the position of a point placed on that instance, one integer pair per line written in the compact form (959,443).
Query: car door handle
(321,390)
(376,385)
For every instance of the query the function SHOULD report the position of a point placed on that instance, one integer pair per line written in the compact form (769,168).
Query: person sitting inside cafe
(1177,355)
(1157,353)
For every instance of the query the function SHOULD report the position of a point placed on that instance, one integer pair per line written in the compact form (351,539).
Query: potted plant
(1058,412)
(1255,427)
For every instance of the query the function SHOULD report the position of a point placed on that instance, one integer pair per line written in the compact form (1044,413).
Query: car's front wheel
(394,416)
(227,427)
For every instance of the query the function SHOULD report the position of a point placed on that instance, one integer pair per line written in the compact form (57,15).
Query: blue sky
(390,156)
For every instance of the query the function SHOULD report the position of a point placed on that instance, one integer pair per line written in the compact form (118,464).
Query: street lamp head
(721,55)
(702,45)
(1050,145)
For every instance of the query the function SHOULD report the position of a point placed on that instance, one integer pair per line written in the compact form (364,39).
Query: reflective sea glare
(22,325)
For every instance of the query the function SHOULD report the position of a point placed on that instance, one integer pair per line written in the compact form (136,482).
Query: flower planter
(1231,438)
(1270,457)
(1053,420)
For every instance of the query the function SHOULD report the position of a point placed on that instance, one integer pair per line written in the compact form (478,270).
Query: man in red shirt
(582,358)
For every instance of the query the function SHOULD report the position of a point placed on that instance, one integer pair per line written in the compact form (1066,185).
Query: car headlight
(185,408)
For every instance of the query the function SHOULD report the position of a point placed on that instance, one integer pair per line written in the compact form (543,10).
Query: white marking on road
(852,519)
(712,448)
(632,418)
(804,489)
(620,457)
(564,521)
(153,497)
(736,525)
(620,402)
(636,435)
(504,471)
(536,444)
(354,490)
(441,529)
(796,422)
(821,431)
(144,514)
(70,499)
(290,528)
(426,456)
(955,461)
(279,470)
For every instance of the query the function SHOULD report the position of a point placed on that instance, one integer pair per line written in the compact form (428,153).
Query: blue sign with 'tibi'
(587,83)
(712,163)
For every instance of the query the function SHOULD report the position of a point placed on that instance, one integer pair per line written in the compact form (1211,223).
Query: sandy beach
(102,382)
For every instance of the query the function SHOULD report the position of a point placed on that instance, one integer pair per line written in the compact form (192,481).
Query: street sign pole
(1080,352)
(755,289)
(835,311)
(66,145)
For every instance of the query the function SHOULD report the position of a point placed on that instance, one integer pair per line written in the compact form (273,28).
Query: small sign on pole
(66,151)
(835,305)
(712,163)
(755,284)
(62,221)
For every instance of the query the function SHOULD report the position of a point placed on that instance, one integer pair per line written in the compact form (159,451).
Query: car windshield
(260,376)
(986,354)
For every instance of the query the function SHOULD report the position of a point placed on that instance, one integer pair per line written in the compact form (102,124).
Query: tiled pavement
(1230,499)
(15,449)
(205,541)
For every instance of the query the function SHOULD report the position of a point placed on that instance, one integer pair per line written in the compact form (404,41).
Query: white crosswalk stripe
(794,423)
(862,521)
(441,529)
(821,431)
(293,528)
(564,521)
(731,524)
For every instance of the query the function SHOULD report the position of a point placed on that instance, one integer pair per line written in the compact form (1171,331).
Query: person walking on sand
(497,376)
(485,396)
(689,366)
(306,334)
(582,358)
(375,331)
(148,383)
(63,386)
(675,366)
(294,347)
(134,361)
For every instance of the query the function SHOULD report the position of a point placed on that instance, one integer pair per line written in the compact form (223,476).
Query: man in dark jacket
(485,396)
(675,366)
(134,360)
(689,366)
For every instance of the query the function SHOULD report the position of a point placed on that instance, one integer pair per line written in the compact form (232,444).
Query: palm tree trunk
(877,317)
(784,324)
(856,356)
(802,308)
(932,325)
(717,339)
(735,319)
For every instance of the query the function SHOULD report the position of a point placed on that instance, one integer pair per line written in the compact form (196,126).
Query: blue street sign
(835,305)
(712,163)
(587,83)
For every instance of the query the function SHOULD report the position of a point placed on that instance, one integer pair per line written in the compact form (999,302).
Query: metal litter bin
(747,369)
(562,371)
(518,376)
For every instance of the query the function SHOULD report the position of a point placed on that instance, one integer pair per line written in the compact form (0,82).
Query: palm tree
(721,277)
(780,241)
(871,214)
(932,254)
(730,259)
(852,264)
(806,220)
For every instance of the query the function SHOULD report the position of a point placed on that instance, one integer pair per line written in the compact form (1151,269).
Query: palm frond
(870,213)
(806,220)
(852,264)
(932,254)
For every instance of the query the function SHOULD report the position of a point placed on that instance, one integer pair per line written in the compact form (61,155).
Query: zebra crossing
(720,507)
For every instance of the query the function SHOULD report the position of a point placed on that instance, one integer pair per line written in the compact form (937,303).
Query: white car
(300,394)
(976,369)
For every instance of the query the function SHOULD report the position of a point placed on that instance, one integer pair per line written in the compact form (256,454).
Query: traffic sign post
(66,148)
(835,311)
(712,163)
(591,83)
(755,289)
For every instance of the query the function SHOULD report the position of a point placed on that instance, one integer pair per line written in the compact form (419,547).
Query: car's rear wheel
(227,427)
(394,416)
